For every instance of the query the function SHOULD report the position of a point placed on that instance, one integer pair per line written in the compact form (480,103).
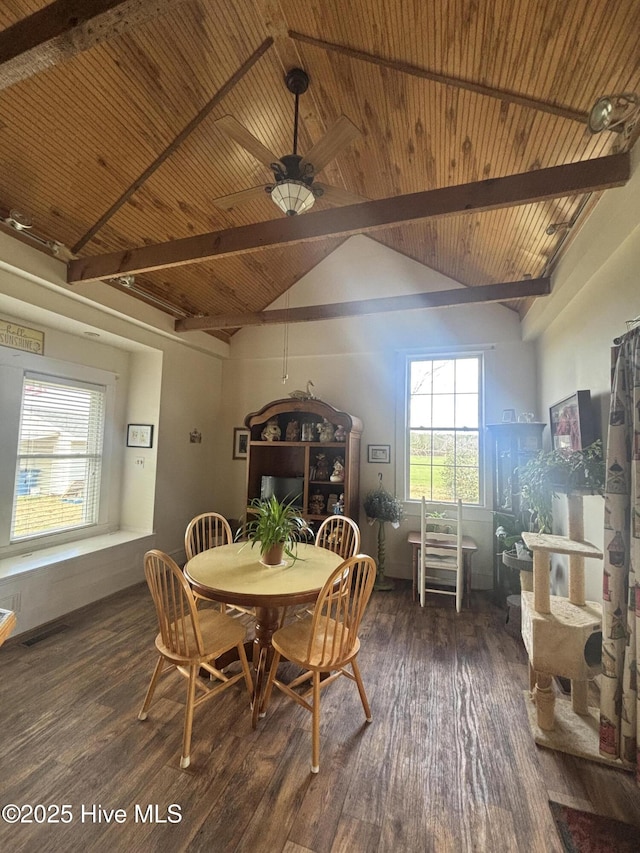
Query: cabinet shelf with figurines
(308,451)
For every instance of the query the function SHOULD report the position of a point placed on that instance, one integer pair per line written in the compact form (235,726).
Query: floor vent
(44,635)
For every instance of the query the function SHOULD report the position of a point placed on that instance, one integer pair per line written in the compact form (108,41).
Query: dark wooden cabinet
(283,460)
(513,445)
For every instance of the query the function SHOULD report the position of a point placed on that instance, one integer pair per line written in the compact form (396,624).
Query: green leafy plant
(273,523)
(509,528)
(549,473)
(381,505)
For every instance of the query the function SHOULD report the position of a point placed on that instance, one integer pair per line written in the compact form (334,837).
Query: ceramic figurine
(271,432)
(337,475)
(293,431)
(322,467)
(325,431)
(340,434)
(304,395)
(317,504)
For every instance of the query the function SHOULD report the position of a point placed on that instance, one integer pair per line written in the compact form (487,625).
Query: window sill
(23,563)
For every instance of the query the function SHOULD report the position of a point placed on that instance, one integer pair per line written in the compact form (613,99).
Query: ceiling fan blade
(228,202)
(240,134)
(337,137)
(336,195)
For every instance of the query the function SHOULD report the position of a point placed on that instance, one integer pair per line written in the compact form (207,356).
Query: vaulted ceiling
(109,141)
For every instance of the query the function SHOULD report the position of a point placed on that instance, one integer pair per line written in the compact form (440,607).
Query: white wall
(596,289)
(353,364)
(172,383)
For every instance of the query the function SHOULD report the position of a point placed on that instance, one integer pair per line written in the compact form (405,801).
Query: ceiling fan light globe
(292,197)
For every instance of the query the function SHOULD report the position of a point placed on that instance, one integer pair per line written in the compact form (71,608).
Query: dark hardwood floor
(448,763)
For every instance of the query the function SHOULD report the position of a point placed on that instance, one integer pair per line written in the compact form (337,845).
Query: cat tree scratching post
(558,631)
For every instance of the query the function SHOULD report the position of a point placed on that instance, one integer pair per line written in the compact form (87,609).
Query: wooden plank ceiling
(109,143)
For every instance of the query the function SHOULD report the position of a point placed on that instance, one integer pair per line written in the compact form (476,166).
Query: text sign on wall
(20,337)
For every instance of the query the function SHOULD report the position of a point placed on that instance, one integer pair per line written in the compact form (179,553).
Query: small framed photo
(240,443)
(139,435)
(379,453)
(508,416)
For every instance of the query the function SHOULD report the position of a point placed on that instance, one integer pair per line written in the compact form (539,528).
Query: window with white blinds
(59,464)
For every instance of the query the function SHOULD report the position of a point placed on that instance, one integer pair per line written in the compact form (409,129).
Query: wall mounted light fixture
(615,112)
(552,229)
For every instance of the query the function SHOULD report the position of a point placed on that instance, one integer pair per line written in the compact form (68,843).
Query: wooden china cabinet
(288,463)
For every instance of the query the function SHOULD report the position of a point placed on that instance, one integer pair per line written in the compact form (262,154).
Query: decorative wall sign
(21,337)
(140,435)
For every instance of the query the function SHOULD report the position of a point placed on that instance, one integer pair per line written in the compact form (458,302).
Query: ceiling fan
(295,188)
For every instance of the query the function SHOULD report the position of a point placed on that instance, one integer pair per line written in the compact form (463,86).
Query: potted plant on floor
(276,527)
(381,506)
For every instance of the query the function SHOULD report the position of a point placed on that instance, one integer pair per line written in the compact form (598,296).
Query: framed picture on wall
(139,435)
(572,422)
(240,443)
(379,453)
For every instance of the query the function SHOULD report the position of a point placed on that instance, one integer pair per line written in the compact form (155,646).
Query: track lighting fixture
(22,223)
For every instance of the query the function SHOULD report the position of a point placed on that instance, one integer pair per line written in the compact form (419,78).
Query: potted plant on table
(381,506)
(276,527)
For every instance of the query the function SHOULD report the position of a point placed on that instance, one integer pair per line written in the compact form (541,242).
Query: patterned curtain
(619,707)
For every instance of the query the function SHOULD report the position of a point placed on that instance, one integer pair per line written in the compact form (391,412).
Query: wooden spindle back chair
(326,642)
(189,640)
(340,534)
(208,530)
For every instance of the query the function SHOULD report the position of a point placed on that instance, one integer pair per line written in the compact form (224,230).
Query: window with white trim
(59,460)
(443,429)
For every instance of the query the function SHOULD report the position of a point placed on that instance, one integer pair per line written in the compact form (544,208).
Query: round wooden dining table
(235,575)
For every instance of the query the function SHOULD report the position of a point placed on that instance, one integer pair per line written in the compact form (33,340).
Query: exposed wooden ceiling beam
(179,139)
(65,28)
(555,182)
(445,79)
(437,299)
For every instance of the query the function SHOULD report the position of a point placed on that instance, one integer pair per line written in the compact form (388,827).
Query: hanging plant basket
(381,506)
